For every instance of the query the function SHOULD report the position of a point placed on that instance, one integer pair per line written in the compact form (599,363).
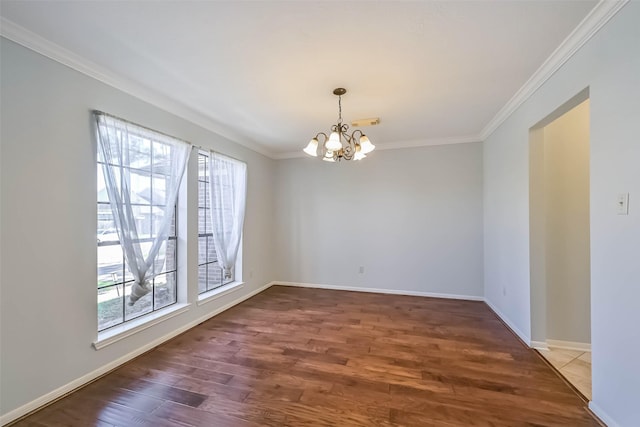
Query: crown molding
(39,44)
(290,155)
(397,145)
(588,27)
(428,142)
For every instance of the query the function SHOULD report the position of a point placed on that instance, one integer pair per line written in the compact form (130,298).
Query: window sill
(219,292)
(127,329)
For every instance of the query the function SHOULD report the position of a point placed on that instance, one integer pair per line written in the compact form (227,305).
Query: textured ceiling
(430,70)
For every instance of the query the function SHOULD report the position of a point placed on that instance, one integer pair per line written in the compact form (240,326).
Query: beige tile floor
(574,365)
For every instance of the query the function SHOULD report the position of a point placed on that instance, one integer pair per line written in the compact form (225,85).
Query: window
(115,281)
(139,172)
(210,274)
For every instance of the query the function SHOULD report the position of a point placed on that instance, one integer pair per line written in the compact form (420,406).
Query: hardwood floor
(310,357)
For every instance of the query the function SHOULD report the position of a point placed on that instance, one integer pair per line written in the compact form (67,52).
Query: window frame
(204,181)
(173,237)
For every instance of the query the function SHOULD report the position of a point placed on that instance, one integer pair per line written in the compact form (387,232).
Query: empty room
(320,213)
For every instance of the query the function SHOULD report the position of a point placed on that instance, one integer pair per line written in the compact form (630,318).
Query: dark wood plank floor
(309,357)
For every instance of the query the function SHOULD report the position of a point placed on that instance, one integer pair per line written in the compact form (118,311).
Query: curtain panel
(131,154)
(228,198)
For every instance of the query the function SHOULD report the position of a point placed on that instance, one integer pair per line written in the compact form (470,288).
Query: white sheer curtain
(131,154)
(228,191)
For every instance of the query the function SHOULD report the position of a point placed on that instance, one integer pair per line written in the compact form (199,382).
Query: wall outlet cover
(622,204)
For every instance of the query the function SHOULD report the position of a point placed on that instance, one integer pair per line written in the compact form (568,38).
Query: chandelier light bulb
(333,144)
(365,145)
(312,148)
(328,156)
(359,154)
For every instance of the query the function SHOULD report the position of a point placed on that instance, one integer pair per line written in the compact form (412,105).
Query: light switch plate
(622,204)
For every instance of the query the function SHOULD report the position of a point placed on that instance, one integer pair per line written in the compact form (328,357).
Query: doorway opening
(559,223)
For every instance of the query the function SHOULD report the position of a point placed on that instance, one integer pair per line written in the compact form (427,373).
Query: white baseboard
(380,291)
(539,345)
(79,382)
(524,337)
(604,417)
(569,345)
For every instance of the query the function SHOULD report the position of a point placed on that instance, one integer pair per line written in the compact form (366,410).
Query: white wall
(412,218)
(609,64)
(568,270)
(48,199)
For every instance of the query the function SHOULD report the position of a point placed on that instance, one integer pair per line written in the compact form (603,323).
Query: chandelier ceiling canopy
(340,145)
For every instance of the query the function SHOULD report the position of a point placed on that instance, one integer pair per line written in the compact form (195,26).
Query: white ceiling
(265,70)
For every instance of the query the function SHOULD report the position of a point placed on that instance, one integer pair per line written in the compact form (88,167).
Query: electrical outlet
(361,270)
(622,204)
(504,291)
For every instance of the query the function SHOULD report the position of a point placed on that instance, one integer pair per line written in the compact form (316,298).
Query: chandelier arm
(323,134)
(321,147)
(353,134)
(356,138)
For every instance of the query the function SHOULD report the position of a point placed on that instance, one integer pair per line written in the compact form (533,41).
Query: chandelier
(339,145)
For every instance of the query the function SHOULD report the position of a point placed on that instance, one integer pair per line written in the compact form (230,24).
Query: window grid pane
(145,163)
(210,274)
